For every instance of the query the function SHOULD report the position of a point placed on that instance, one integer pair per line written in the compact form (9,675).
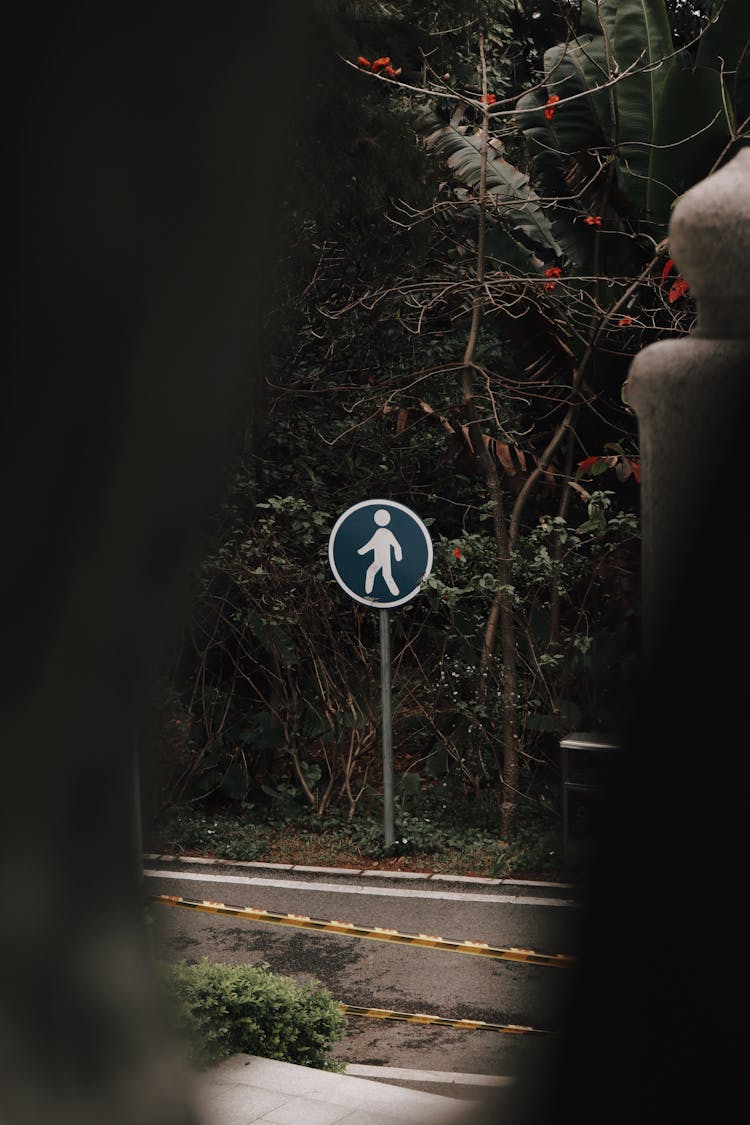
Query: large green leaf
(593,54)
(549,164)
(691,132)
(505,183)
(642,39)
(508,253)
(575,125)
(726,44)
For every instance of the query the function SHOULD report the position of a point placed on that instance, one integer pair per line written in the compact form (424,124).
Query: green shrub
(198,833)
(222,1010)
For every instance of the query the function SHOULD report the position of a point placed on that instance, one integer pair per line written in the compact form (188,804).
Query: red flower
(593,220)
(553,271)
(679,287)
(456,552)
(380,63)
(488,99)
(636,467)
(624,321)
(549,112)
(391,71)
(667,267)
(364,62)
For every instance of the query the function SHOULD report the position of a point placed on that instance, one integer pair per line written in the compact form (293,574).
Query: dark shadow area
(145,149)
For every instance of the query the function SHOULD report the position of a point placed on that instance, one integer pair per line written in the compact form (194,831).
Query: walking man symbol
(381,544)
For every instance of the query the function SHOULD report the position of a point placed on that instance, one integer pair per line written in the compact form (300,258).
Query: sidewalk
(247,1089)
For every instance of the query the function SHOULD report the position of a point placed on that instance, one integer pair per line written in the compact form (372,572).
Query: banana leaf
(541,143)
(592,52)
(642,38)
(727,43)
(506,183)
(510,255)
(692,131)
(505,251)
(548,166)
(575,124)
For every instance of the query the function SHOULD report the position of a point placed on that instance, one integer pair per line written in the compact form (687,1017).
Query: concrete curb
(362,872)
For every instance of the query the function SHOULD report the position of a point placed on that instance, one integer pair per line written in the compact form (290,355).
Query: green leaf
(509,253)
(549,162)
(692,131)
(592,51)
(727,43)
(506,183)
(642,38)
(574,125)
(546,159)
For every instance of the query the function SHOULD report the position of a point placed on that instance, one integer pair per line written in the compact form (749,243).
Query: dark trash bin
(585,762)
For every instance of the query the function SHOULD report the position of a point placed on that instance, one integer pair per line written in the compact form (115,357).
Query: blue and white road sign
(380,552)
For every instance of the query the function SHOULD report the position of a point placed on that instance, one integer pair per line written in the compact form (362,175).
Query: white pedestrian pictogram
(381,544)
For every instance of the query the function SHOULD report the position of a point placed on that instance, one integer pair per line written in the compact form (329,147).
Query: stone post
(655,1024)
(690,397)
(656,1028)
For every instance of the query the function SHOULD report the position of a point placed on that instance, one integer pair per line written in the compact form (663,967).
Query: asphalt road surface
(371,973)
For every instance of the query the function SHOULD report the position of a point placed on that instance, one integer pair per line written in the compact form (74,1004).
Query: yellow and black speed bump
(376,933)
(442,1021)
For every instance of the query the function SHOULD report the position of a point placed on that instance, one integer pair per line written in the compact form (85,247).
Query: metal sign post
(387,727)
(380,553)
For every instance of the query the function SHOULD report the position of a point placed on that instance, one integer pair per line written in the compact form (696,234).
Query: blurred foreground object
(137,239)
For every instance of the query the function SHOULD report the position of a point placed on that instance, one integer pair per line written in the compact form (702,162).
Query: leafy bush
(198,833)
(223,1010)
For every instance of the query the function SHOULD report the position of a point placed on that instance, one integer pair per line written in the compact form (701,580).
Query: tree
(457,335)
(570,253)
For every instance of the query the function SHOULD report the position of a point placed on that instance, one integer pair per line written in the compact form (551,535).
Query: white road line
(368,892)
(448,1077)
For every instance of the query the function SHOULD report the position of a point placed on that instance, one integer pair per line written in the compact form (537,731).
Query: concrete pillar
(656,1024)
(654,1029)
(690,395)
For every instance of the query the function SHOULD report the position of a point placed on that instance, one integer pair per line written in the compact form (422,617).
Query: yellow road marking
(376,933)
(442,1021)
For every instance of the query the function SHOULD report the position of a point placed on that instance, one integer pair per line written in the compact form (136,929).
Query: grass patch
(433,835)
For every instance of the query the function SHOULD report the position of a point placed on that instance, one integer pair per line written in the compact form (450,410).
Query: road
(370,973)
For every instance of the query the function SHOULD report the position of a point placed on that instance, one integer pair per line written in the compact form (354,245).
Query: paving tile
(366,1117)
(303,1111)
(240,1105)
(270,1074)
(408,1105)
(246,1089)
(464,1113)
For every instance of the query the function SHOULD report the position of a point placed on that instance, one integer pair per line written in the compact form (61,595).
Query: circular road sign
(380,552)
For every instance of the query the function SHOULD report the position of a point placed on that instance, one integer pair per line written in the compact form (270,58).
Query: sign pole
(380,552)
(387,725)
